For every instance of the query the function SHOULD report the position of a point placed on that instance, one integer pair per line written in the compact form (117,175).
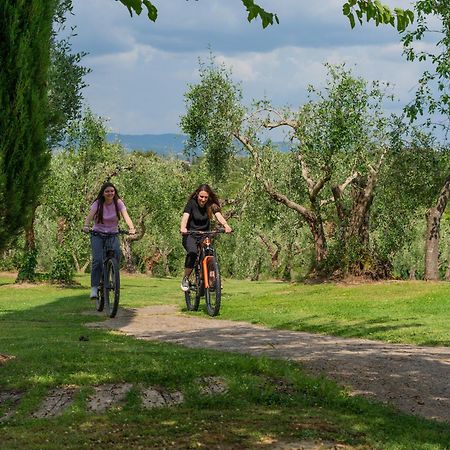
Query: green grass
(40,326)
(403,312)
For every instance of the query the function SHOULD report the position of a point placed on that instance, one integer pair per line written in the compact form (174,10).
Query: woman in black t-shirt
(202,205)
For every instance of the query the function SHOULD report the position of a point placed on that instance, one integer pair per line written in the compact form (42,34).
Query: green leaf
(410,15)
(254,11)
(152,12)
(133,5)
(359,14)
(400,24)
(351,18)
(387,16)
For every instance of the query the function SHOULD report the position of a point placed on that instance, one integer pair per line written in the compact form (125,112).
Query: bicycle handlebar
(204,233)
(106,234)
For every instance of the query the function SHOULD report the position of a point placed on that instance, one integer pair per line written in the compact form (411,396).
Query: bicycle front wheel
(100,300)
(213,293)
(192,296)
(111,287)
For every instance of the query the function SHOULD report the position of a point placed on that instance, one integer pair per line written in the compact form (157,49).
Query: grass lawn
(413,312)
(41,325)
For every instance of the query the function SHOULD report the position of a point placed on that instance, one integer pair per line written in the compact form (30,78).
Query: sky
(141,70)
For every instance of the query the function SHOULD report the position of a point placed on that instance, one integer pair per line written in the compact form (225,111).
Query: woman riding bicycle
(106,212)
(201,207)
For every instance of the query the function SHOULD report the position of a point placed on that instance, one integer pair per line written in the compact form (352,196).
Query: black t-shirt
(198,217)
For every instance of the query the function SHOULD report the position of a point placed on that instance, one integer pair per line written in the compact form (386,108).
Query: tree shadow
(360,329)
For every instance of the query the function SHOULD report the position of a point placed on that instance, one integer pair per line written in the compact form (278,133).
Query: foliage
(76,174)
(376,11)
(409,251)
(368,9)
(412,179)
(340,140)
(254,11)
(155,192)
(27,271)
(433,93)
(212,132)
(41,91)
(63,269)
(153,189)
(25,33)
(65,78)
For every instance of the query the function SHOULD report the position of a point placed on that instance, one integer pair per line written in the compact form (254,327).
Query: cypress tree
(25,32)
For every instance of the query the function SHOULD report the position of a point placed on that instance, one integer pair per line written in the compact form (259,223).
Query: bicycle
(206,274)
(110,278)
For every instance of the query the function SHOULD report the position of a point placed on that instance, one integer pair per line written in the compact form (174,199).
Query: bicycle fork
(206,274)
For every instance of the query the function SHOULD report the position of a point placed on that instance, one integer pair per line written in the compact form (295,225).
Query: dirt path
(416,380)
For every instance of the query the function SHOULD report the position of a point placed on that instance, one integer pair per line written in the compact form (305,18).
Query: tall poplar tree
(25,33)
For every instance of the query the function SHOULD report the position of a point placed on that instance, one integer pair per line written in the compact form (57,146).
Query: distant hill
(163,144)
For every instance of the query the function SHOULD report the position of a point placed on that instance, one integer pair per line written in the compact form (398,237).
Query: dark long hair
(213,204)
(101,201)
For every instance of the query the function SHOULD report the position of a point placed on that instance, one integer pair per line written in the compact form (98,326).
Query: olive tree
(340,140)
(155,192)
(76,175)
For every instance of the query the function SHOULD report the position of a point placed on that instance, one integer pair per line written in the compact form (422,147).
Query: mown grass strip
(401,312)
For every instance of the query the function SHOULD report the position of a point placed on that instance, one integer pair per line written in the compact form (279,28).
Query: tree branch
(268,187)
(313,187)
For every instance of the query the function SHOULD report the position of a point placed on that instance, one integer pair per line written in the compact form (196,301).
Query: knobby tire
(111,287)
(213,293)
(192,296)
(100,300)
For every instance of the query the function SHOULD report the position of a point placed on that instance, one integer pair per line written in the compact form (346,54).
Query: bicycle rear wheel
(213,293)
(192,296)
(111,287)
(100,299)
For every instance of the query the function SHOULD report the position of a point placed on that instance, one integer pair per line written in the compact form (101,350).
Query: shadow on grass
(360,329)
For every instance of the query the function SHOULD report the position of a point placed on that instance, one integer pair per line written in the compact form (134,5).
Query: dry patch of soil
(10,400)
(55,403)
(160,397)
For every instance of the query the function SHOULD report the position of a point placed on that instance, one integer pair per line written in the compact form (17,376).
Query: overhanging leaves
(254,11)
(376,11)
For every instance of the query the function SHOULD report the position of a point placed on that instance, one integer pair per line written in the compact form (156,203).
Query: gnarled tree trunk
(152,261)
(273,249)
(310,215)
(433,217)
(126,248)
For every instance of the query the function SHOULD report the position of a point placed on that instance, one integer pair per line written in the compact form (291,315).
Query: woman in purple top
(105,212)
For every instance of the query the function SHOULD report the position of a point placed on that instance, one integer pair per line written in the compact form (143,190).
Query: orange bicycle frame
(205,270)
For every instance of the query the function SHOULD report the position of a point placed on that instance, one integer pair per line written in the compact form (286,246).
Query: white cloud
(141,70)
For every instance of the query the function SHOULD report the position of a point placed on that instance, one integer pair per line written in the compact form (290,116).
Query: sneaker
(94,292)
(185,284)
